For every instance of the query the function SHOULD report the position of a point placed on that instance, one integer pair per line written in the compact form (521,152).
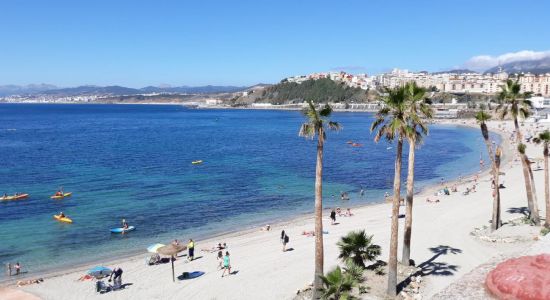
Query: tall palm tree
(544,139)
(357,246)
(516,103)
(482,117)
(418,112)
(392,123)
(317,123)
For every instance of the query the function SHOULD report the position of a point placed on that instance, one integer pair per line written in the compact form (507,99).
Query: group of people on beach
(12,270)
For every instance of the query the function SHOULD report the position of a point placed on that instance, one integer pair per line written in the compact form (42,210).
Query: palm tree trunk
(535,212)
(319,256)
(546,187)
(392,261)
(528,182)
(496,221)
(405,259)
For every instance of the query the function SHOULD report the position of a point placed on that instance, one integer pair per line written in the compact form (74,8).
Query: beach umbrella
(172,250)
(99,272)
(154,248)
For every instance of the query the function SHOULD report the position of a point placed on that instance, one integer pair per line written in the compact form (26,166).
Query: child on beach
(226,264)
(220,260)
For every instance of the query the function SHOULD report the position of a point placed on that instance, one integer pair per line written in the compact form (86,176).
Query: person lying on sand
(432,201)
(21,283)
(312,233)
(266,228)
(85,277)
(215,248)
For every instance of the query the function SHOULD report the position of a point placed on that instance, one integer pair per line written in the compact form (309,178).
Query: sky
(141,43)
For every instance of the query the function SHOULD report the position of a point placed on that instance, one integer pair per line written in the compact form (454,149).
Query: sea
(134,162)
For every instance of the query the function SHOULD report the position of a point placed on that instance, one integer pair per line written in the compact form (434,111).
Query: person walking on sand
(333,217)
(226,264)
(283,236)
(220,260)
(286,239)
(191,250)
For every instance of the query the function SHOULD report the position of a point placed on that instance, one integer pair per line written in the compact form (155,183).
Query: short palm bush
(357,246)
(338,285)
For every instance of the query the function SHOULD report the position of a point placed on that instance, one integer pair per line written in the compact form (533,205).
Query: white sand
(265,272)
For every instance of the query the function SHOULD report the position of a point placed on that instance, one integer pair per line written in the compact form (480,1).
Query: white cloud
(484,62)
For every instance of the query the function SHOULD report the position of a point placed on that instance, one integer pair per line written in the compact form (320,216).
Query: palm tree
(544,139)
(317,123)
(418,111)
(337,285)
(482,117)
(392,123)
(515,103)
(357,246)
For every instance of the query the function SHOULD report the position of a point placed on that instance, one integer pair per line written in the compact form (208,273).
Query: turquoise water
(134,162)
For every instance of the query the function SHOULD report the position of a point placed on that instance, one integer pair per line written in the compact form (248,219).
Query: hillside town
(448,82)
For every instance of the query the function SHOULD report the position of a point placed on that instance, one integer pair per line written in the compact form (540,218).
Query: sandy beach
(263,271)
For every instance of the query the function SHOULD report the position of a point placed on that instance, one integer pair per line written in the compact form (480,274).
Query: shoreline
(137,255)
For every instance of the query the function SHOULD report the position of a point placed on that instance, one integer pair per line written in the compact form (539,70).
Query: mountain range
(538,66)
(115,90)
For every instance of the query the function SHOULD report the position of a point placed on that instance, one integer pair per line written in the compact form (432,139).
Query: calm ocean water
(134,162)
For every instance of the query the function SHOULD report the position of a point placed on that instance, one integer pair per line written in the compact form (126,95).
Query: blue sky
(139,43)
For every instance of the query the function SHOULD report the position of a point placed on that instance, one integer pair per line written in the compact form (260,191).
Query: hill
(538,66)
(321,90)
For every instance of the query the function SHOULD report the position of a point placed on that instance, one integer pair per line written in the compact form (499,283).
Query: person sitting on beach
(266,228)
(446,191)
(348,212)
(454,189)
(467,191)
(339,212)
(175,242)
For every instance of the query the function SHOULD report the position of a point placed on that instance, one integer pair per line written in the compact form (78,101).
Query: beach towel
(190,275)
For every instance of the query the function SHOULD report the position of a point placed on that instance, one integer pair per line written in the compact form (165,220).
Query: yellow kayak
(64,219)
(196,162)
(61,196)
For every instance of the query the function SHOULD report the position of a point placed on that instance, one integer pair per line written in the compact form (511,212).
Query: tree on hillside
(317,123)
(515,103)
(482,117)
(392,124)
(418,112)
(544,139)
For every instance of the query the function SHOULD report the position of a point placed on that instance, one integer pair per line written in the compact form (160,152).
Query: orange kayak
(14,197)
